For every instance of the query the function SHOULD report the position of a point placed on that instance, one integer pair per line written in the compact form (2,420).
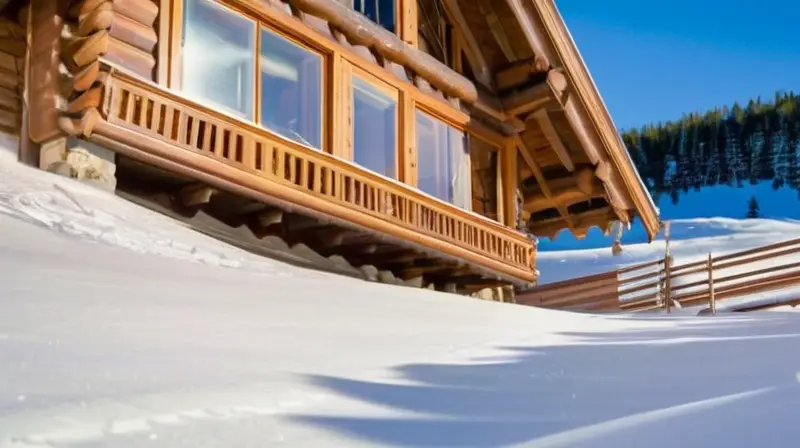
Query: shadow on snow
(622,383)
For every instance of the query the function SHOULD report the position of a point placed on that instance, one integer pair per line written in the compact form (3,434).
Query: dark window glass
(381,12)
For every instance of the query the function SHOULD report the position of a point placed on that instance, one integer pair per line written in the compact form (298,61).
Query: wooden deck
(324,199)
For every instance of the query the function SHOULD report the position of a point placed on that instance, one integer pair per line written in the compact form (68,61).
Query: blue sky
(654,60)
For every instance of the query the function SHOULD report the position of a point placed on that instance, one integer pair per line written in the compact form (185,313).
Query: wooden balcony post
(712,300)
(508,169)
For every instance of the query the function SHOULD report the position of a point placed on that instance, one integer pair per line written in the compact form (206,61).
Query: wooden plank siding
(592,293)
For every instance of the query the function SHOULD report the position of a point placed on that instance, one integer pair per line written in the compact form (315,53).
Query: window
(291,90)
(218,63)
(220,66)
(442,161)
(374,128)
(485,166)
(381,12)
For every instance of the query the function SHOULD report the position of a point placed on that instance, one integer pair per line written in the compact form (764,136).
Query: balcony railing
(325,183)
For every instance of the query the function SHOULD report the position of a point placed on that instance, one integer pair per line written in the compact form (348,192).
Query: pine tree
(752,208)
(733,145)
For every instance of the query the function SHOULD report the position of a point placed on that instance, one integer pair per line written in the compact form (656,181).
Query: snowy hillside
(691,240)
(120,327)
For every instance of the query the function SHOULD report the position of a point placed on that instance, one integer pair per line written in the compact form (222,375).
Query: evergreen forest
(736,145)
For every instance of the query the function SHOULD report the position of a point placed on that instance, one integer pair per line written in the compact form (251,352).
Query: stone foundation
(80,160)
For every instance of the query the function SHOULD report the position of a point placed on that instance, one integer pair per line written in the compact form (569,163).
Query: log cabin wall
(69,39)
(13,46)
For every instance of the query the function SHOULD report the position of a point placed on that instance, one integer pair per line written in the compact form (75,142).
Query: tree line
(731,145)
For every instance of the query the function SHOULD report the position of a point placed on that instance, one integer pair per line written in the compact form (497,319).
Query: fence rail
(647,286)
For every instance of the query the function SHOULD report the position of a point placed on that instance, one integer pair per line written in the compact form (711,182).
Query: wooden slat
(289,166)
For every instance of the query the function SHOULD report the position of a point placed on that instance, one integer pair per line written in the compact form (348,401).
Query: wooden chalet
(427,138)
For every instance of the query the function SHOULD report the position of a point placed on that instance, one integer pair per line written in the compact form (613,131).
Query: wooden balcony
(143,121)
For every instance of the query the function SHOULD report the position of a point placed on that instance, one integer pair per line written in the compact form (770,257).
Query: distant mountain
(733,146)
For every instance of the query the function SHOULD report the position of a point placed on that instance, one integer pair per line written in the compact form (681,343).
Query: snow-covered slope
(120,327)
(691,240)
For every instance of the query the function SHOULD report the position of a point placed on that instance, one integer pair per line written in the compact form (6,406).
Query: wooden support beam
(551,134)
(496,27)
(491,106)
(542,181)
(533,31)
(509,182)
(537,96)
(535,202)
(329,237)
(196,194)
(519,72)
(408,22)
(601,217)
(270,217)
(471,47)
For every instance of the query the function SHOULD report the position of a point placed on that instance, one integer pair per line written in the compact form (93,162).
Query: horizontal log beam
(361,30)
(519,72)
(583,222)
(535,97)
(196,194)
(563,197)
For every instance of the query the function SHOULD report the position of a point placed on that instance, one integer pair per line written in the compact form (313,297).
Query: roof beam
(536,97)
(550,133)
(491,106)
(542,181)
(525,18)
(601,217)
(471,46)
(497,30)
(536,201)
(519,72)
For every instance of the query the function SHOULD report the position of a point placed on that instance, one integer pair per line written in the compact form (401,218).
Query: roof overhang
(586,111)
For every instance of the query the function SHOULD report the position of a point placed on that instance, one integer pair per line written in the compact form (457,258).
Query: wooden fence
(646,286)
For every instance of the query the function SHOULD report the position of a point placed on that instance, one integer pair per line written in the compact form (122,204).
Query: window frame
(449,121)
(175,78)
(324,92)
(390,91)
(339,63)
(496,145)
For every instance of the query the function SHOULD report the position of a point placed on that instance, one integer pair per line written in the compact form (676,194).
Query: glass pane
(291,90)
(459,166)
(442,162)
(484,163)
(374,128)
(218,57)
(381,12)
(433,168)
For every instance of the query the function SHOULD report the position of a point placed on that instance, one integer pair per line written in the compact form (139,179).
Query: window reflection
(442,161)
(218,48)
(374,128)
(484,163)
(291,90)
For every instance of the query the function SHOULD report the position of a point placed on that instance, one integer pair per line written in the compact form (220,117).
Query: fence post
(667,270)
(668,283)
(712,300)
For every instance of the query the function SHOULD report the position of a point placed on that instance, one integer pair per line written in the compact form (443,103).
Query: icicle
(616,247)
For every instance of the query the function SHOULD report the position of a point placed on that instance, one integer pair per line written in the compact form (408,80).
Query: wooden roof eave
(584,106)
(586,89)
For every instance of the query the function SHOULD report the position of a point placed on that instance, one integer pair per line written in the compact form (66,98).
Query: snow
(120,327)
